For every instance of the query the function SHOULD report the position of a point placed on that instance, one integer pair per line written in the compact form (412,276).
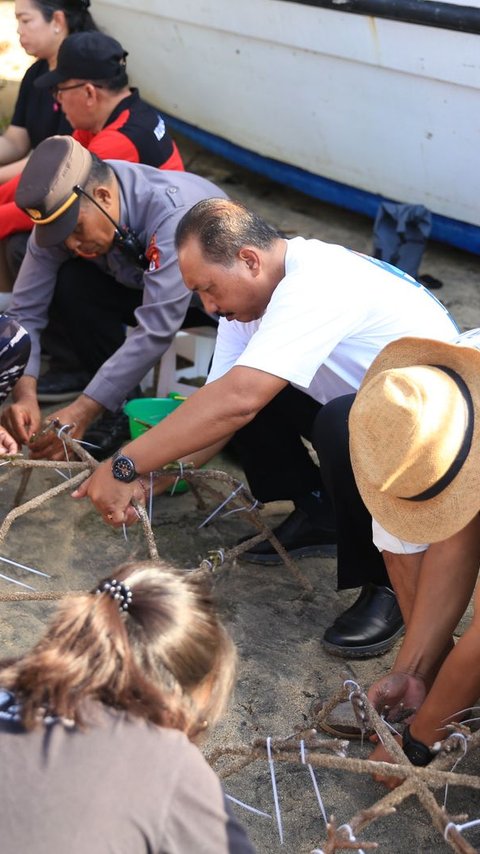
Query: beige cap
(46,189)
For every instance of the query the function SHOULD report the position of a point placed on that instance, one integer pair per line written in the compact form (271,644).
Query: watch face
(123,468)
(416,756)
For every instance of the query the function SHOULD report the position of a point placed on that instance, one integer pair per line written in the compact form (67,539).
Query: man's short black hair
(223,227)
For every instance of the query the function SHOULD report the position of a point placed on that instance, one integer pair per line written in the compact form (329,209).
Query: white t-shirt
(382,539)
(329,316)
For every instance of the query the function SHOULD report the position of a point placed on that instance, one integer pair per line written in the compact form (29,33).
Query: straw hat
(415,438)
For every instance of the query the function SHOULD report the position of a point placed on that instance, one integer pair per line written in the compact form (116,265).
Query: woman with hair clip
(97,723)
(42,27)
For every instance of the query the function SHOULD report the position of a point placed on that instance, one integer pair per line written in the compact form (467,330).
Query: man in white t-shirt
(301,321)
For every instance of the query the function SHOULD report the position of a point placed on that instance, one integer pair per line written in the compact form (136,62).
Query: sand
(283,667)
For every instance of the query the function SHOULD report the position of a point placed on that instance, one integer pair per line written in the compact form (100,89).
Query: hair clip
(118,591)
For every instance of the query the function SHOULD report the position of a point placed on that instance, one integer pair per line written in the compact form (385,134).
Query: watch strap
(416,751)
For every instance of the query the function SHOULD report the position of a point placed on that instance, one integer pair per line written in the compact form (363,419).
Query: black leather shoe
(299,535)
(109,433)
(61,385)
(369,627)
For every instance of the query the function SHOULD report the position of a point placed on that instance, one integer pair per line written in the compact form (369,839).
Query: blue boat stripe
(463,235)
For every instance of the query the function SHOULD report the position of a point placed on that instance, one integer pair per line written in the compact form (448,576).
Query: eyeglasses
(56,90)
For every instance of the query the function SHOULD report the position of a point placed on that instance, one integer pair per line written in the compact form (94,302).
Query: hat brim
(49,79)
(440,517)
(57,231)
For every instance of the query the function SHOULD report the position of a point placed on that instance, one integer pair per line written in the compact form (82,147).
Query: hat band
(464,449)
(61,210)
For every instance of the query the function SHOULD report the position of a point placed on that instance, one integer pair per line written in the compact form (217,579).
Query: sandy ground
(282,664)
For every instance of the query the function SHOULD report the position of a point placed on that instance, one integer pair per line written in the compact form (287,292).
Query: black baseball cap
(46,187)
(89,55)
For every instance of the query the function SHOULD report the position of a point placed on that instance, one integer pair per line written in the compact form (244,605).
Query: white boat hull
(362,108)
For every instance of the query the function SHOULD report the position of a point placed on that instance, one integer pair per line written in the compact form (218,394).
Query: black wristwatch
(418,752)
(123,468)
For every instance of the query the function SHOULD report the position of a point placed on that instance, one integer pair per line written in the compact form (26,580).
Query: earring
(56,30)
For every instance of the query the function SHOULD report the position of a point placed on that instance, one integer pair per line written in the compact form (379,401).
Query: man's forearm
(25,389)
(208,417)
(446,582)
(175,440)
(456,689)
(84,409)
(78,416)
(404,573)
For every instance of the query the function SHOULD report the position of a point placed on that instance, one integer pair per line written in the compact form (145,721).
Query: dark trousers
(278,466)
(359,561)
(88,316)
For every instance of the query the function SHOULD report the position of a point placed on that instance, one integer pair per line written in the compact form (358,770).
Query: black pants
(88,316)
(278,466)
(271,452)
(359,561)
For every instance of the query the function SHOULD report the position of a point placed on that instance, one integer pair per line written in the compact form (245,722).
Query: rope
(31,597)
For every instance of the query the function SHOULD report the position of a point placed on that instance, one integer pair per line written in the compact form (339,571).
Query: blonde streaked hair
(168,659)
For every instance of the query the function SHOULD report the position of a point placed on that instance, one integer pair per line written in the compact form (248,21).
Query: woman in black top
(42,26)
